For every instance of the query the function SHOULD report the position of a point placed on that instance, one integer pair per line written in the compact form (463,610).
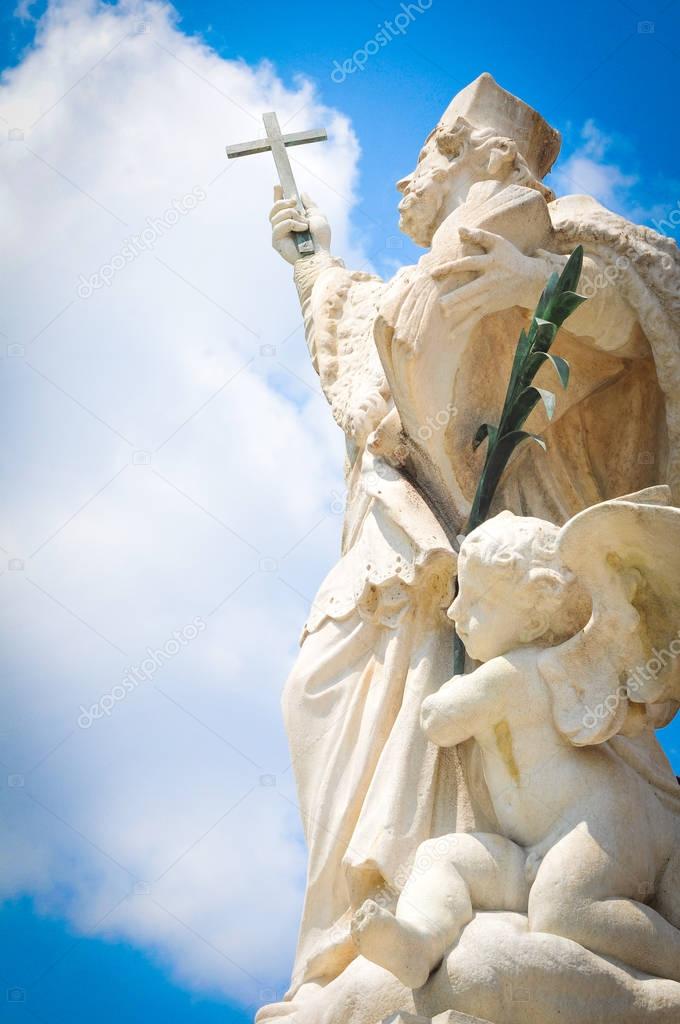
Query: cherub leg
(450,876)
(582,892)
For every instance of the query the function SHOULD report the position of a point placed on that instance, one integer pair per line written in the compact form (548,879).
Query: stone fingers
(285,227)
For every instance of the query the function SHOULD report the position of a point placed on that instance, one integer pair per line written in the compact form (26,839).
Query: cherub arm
(467,704)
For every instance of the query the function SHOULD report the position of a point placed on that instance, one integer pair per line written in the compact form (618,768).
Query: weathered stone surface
(438,810)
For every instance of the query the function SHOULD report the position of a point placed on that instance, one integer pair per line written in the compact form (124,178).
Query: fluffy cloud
(590,170)
(171,459)
(23,10)
(594,166)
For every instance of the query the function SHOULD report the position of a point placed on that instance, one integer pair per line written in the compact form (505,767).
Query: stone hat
(485,105)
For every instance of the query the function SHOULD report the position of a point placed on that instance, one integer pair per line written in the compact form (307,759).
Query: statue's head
(513,589)
(485,134)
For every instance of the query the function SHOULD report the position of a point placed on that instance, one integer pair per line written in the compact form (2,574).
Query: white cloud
(590,170)
(23,10)
(122,113)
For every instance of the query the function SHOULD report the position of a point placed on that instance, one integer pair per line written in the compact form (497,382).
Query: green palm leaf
(558,301)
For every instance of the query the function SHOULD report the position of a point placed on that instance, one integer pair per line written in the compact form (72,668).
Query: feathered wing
(622,671)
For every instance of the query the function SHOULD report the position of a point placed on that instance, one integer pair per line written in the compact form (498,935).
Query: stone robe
(377,640)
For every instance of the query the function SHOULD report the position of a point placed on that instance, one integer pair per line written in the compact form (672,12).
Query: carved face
(448,164)
(425,192)
(492,614)
(481,611)
(451,161)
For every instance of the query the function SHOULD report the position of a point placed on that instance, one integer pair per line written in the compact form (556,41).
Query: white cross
(277,142)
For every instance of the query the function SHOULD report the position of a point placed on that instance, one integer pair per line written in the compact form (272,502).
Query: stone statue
(410,368)
(554,643)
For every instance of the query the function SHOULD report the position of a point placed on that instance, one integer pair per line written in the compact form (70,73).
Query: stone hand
(286,220)
(504,277)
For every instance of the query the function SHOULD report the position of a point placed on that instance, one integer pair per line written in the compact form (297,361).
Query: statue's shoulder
(585,210)
(567,206)
(582,219)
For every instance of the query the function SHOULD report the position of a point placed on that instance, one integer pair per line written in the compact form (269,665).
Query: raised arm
(307,270)
(338,308)
(466,704)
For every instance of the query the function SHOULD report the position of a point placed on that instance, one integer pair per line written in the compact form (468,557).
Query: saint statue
(411,367)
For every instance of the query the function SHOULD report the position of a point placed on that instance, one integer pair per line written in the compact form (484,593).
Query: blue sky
(195,756)
(613,62)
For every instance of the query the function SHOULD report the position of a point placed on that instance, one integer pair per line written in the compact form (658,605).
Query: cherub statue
(579,654)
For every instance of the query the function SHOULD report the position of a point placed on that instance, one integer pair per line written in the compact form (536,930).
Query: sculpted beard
(419,211)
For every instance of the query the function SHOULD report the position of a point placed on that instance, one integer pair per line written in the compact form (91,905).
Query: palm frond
(558,301)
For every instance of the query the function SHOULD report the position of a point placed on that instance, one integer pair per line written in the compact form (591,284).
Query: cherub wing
(622,670)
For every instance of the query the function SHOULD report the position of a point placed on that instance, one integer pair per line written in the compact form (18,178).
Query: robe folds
(377,640)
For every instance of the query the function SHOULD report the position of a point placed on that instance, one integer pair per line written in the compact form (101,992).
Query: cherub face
(489,616)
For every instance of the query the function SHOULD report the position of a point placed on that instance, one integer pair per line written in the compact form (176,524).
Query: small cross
(277,142)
